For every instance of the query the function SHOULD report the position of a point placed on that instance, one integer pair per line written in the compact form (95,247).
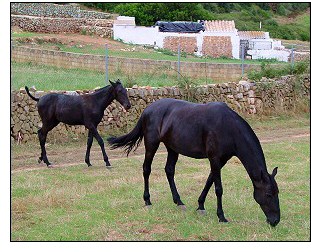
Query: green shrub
(282,11)
(301,67)
(270,71)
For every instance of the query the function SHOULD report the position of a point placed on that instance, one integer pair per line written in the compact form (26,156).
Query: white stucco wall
(260,44)
(135,34)
(151,36)
(280,55)
(277,44)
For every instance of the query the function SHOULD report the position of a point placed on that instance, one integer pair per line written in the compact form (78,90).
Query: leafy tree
(148,13)
(246,15)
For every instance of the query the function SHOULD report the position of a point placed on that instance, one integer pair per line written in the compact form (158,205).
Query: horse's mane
(102,89)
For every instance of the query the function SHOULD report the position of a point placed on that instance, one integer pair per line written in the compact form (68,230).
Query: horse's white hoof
(182,207)
(147,207)
(201,212)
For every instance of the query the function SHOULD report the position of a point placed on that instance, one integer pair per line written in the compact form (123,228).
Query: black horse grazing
(87,110)
(212,131)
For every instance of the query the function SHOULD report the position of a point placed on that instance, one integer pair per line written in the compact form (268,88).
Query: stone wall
(301,56)
(244,97)
(55,10)
(187,44)
(102,27)
(214,71)
(217,46)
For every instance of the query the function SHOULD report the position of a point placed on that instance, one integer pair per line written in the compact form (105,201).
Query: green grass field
(72,202)
(53,78)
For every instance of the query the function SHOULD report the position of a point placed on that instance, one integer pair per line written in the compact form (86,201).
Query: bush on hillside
(269,71)
(246,15)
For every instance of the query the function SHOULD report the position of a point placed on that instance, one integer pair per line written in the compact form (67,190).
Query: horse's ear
(274,172)
(112,83)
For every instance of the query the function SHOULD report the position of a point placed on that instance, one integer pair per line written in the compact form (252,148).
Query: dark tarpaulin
(186,27)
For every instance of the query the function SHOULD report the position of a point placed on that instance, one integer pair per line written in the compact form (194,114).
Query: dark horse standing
(212,131)
(87,110)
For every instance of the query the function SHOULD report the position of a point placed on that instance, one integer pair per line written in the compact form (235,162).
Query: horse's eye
(269,195)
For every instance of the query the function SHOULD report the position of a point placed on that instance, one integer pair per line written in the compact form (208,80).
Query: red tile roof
(219,25)
(251,35)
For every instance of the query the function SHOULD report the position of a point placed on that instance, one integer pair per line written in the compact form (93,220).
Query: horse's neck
(251,155)
(105,97)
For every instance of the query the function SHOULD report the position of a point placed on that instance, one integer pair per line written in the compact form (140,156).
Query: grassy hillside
(290,21)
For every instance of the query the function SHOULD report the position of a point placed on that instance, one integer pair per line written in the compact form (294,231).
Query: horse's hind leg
(150,150)
(88,148)
(42,134)
(202,197)
(172,158)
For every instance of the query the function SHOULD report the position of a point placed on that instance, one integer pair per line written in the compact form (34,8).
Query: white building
(259,45)
(219,39)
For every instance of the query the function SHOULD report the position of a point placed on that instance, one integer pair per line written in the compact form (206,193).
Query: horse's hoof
(224,220)
(147,207)
(50,166)
(182,207)
(108,166)
(202,212)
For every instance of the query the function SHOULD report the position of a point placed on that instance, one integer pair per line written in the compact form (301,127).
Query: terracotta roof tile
(251,34)
(219,25)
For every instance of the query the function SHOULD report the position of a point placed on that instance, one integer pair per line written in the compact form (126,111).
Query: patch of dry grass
(79,203)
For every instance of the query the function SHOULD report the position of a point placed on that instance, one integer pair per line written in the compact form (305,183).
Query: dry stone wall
(101,27)
(244,97)
(301,56)
(55,10)
(214,71)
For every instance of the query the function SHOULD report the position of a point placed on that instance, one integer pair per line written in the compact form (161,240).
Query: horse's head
(121,94)
(266,195)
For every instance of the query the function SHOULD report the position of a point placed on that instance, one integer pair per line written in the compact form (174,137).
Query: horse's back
(191,129)
(181,109)
(61,107)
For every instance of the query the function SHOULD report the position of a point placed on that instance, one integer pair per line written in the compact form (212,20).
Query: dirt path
(74,40)
(68,158)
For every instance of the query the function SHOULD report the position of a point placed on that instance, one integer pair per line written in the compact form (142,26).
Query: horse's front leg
(88,149)
(218,190)
(100,141)
(171,161)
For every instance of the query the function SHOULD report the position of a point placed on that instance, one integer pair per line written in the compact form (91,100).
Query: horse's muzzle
(273,222)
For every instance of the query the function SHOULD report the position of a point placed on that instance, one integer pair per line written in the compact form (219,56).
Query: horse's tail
(129,141)
(32,97)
